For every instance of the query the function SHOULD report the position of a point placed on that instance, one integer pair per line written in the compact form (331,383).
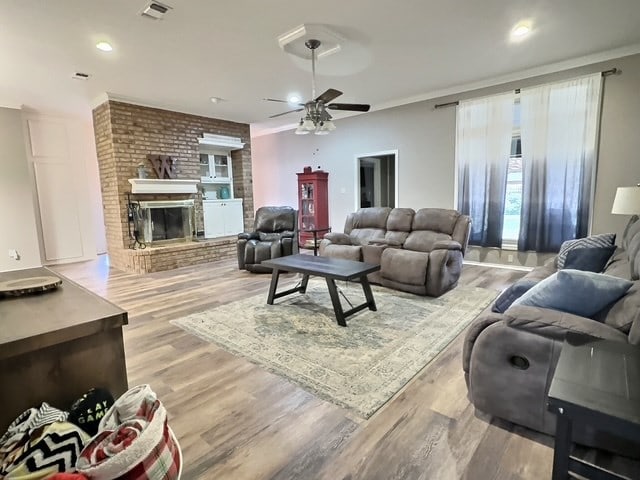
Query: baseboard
(499,265)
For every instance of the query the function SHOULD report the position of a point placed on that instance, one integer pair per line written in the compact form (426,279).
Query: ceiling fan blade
(354,107)
(275,100)
(285,113)
(329,95)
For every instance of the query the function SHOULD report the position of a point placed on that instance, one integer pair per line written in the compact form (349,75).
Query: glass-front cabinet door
(308,208)
(215,168)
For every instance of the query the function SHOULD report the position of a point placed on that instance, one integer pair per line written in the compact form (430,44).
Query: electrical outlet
(13,253)
(510,258)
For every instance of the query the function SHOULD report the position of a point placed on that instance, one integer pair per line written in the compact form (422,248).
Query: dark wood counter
(56,345)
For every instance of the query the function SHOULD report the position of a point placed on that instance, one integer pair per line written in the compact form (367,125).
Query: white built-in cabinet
(222,213)
(222,217)
(63,161)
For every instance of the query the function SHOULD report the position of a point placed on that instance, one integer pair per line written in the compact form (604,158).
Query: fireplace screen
(160,221)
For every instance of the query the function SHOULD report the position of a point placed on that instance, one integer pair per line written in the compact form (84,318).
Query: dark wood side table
(315,232)
(596,383)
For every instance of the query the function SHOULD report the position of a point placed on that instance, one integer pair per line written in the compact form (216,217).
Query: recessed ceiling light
(521,30)
(294,99)
(104,46)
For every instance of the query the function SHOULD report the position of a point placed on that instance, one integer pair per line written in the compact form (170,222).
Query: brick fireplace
(125,135)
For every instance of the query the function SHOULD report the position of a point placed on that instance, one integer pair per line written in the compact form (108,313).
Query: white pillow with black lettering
(594,241)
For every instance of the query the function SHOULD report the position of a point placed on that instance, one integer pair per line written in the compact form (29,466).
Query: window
(526,164)
(513,194)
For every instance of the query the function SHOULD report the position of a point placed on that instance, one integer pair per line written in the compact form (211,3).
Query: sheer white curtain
(559,125)
(483,145)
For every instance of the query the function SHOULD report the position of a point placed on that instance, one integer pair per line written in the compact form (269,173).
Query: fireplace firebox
(164,221)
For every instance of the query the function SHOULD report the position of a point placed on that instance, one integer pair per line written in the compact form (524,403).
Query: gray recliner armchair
(275,234)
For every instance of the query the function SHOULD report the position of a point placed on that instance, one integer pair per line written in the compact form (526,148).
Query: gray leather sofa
(509,359)
(275,234)
(418,251)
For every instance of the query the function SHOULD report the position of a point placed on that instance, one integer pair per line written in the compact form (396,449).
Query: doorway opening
(376,180)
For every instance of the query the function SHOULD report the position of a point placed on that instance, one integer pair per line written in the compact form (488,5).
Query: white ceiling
(394,51)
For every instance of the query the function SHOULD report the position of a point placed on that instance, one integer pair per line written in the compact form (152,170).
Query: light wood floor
(235,420)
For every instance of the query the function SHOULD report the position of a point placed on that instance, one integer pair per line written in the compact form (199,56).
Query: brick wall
(125,135)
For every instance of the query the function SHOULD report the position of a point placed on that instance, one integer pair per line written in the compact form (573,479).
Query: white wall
(425,139)
(17,214)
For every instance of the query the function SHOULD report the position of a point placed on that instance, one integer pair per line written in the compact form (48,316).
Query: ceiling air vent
(155,10)
(80,76)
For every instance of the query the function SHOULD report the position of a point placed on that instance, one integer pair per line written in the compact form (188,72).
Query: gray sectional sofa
(418,251)
(509,359)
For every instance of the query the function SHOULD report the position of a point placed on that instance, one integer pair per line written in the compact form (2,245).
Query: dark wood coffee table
(331,269)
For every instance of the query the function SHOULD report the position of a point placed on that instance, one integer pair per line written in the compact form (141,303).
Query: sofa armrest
(287,234)
(447,245)
(384,243)
(338,238)
(555,324)
(247,235)
(479,324)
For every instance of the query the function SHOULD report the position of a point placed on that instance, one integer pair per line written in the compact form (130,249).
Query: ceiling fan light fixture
(316,117)
(300,130)
(308,125)
(322,129)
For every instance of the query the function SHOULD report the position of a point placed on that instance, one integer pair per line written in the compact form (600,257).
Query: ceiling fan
(317,118)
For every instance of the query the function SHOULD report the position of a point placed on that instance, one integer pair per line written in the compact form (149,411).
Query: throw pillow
(575,291)
(589,259)
(594,241)
(511,294)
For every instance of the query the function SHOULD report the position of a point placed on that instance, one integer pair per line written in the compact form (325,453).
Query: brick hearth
(125,135)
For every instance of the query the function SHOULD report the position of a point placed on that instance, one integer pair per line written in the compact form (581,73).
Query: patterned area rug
(359,367)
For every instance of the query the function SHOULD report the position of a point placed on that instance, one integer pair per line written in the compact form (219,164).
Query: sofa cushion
(602,240)
(556,324)
(634,255)
(575,291)
(338,238)
(373,217)
(589,259)
(400,219)
(362,236)
(404,266)
(436,219)
(630,230)
(424,240)
(618,265)
(542,272)
(511,294)
(347,252)
(623,313)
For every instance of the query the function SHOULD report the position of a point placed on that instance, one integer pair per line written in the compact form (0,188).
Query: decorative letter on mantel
(163,165)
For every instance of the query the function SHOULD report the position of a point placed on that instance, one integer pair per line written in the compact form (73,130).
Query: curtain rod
(605,73)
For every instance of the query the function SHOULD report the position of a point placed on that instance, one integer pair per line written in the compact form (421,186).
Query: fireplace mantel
(156,185)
